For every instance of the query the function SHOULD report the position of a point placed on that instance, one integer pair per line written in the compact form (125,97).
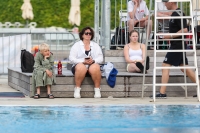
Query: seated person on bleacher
(134,53)
(86,56)
(138,15)
(43,74)
(164,23)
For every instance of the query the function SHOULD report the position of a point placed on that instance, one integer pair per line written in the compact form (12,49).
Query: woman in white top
(138,15)
(86,56)
(134,53)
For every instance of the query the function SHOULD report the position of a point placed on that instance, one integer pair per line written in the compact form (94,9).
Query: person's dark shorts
(175,58)
(73,71)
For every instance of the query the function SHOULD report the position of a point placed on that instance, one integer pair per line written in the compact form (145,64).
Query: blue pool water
(105,119)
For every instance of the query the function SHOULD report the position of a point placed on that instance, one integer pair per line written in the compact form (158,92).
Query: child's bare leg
(37,95)
(49,92)
(38,90)
(48,89)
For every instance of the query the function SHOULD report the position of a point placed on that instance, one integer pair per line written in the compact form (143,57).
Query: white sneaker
(77,92)
(97,93)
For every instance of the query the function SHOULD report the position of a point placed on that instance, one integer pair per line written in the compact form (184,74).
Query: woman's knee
(40,74)
(131,22)
(80,68)
(94,68)
(132,67)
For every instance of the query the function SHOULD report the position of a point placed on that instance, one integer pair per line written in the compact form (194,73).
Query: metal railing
(106,20)
(11,44)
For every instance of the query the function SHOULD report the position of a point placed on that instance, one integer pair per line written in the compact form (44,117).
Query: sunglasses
(88,33)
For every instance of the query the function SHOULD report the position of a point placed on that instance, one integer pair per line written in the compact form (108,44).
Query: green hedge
(52,12)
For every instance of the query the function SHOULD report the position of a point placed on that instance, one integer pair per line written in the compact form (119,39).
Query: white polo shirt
(140,11)
(161,6)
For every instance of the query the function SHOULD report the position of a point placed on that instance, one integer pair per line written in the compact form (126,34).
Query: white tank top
(135,54)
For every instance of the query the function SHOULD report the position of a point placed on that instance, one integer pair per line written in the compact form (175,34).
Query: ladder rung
(172,67)
(163,34)
(175,1)
(177,84)
(148,84)
(192,50)
(173,84)
(157,40)
(196,9)
(173,39)
(177,17)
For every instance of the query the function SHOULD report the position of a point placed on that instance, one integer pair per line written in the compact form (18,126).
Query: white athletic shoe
(77,92)
(97,93)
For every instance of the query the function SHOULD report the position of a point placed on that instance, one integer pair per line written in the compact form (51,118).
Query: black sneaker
(150,48)
(195,96)
(160,96)
(140,66)
(147,63)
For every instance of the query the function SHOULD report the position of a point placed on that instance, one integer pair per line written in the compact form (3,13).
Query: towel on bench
(110,72)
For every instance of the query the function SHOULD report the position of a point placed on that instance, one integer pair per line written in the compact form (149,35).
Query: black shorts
(73,71)
(175,58)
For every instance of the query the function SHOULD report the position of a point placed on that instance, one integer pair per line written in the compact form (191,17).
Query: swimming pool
(106,119)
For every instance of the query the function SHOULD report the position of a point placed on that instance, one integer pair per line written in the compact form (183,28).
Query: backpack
(27,61)
(119,38)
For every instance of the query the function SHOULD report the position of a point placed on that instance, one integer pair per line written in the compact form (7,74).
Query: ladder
(185,84)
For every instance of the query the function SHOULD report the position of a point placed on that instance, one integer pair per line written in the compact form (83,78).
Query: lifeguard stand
(193,51)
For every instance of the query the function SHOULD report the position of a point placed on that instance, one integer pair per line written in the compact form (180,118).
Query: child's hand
(48,55)
(49,73)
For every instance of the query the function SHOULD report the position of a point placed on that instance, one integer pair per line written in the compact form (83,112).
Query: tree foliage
(49,13)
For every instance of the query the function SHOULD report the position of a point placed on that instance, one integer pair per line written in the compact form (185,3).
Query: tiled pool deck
(86,101)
